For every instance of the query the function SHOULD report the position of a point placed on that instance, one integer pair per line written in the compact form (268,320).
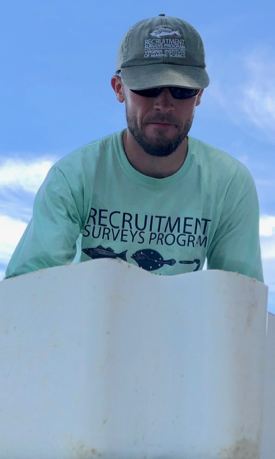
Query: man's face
(159,124)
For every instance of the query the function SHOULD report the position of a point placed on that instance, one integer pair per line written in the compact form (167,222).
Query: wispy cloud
(25,175)
(258,91)
(247,93)
(19,181)
(268,256)
(267,225)
(11,231)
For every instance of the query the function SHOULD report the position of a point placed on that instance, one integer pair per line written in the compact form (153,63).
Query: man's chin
(157,141)
(157,131)
(157,148)
(160,145)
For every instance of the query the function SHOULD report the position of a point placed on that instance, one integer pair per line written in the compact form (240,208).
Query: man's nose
(164,101)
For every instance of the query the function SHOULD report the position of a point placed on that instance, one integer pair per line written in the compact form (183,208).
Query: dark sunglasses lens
(177,93)
(152,92)
(183,93)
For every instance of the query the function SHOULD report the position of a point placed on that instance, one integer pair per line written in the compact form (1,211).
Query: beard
(160,145)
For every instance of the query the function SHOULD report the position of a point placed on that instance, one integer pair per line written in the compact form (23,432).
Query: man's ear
(199,97)
(117,86)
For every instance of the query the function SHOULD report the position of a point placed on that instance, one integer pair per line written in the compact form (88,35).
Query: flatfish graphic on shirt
(151,260)
(101,252)
(188,262)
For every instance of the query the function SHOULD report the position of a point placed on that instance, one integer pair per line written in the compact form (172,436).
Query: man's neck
(153,166)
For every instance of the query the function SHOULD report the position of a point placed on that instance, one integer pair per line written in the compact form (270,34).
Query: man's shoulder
(217,160)
(91,151)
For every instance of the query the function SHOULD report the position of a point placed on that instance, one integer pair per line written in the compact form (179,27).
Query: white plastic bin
(105,360)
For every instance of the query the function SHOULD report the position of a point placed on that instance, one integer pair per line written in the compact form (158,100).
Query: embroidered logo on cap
(165,32)
(164,47)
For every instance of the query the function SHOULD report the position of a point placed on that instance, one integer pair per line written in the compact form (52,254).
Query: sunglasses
(177,93)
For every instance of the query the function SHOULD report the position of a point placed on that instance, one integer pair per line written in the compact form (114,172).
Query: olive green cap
(162,51)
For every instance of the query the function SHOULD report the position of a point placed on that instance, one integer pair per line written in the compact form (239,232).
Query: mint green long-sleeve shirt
(208,210)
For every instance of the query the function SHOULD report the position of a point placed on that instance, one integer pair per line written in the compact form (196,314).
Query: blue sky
(57,58)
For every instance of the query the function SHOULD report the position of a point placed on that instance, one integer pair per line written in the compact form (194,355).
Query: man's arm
(50,238)
(235,246)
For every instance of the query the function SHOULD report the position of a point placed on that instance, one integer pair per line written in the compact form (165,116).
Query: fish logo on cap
(162,32)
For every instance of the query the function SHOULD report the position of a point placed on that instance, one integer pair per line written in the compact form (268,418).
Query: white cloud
(11,231)
(267,225)
(247,93)
(268,248)
(267,232)
(258,101)
(16,173)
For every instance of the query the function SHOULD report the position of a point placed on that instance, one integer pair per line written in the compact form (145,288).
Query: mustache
(161,118)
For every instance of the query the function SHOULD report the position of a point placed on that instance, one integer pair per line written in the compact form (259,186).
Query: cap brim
(152,76)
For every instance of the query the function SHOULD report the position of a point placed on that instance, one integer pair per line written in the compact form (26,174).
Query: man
(151,194)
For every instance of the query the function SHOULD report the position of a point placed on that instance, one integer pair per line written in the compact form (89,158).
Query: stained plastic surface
(103,359)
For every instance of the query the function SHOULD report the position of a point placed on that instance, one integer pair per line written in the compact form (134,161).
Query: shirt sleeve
(236,245)
(50,238)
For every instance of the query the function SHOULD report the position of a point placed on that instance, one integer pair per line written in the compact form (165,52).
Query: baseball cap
(162,51)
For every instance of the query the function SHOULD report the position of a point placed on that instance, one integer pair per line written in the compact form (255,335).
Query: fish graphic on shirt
(151,260)
(101,252)
(187,262)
